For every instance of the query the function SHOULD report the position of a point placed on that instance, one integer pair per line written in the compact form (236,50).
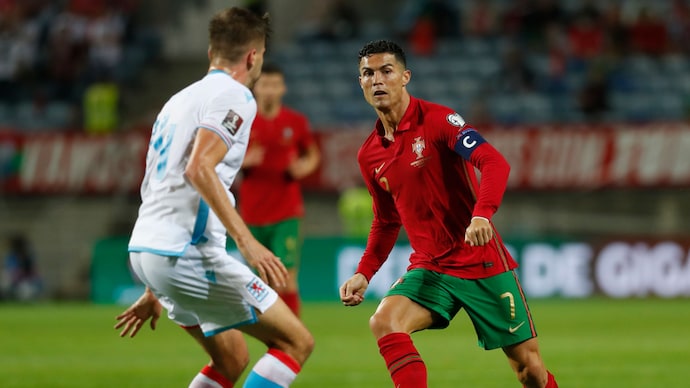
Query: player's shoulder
(440,116)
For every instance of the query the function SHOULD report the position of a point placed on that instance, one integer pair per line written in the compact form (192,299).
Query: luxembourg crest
(418,148)
(257,289)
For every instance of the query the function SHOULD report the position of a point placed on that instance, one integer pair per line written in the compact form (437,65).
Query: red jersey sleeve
(494,171)
(493,167)
(384,229)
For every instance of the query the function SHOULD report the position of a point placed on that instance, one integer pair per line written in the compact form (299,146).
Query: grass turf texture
(587,343)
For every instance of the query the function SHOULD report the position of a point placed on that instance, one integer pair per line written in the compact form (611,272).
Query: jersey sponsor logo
(467,141)
(257,289)
(378,169)
(455,119)
(513,329)
(232,122)
(418,148)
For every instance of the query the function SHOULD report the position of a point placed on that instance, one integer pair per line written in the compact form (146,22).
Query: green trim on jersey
(496,305)
(282,238)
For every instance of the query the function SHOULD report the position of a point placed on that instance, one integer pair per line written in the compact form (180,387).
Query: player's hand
(479,233)
(299,168)
(254,156)
(147,306)
(269,267)
(352,291)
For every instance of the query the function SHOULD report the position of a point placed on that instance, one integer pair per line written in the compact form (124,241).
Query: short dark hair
(383,46)
(271,68)
(232,30)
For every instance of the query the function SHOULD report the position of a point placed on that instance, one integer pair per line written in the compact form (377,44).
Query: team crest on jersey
(455,119)
(418,148)
(232,122)
(257,289)
(288,133)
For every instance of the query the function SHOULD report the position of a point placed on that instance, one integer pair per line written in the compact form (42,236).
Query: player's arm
(309,156)
(306,163)
(384,230)
(207,152)
(494,169)
(254,156)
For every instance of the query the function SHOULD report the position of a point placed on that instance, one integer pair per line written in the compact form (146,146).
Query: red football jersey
(267,193)
(425,181)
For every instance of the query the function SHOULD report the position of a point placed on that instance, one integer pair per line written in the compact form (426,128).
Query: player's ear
(406,77)
(251,58)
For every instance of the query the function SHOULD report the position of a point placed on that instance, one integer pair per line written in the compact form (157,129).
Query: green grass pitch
(586,343)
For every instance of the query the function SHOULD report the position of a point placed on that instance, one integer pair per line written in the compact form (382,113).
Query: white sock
(209,378)
(274,369)
(202,381)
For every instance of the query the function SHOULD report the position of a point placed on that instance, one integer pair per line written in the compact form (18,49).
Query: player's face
(383,80)
(270,88)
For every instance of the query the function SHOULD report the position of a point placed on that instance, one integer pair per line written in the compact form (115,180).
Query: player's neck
(390,118)
(269,110)
(230,69)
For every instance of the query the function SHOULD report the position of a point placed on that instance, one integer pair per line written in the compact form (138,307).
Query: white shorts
(217,293)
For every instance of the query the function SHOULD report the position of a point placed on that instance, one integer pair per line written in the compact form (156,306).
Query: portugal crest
(418,146)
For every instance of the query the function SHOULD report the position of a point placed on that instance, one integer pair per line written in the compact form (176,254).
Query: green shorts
(496,305)
(282,238)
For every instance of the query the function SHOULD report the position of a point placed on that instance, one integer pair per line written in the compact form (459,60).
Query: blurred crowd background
(497,61)
(105,67)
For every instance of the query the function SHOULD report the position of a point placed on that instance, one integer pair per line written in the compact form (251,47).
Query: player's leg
(527,363)
(414,303)
(229,357)
(182,290)
(285,242)
(499,312)
(289,345)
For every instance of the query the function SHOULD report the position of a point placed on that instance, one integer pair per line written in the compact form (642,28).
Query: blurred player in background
(177,246)
(418,165)
(281,152)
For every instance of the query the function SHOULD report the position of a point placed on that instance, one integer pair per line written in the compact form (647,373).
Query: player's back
(172,214)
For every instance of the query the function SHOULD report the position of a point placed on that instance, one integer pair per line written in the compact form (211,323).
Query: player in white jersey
(177,247)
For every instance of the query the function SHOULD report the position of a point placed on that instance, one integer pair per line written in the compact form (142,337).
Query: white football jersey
(172,214)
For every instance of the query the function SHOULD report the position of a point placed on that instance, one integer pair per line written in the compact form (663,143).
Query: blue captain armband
(467,141)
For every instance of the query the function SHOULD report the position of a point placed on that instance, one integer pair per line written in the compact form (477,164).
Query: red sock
(551,382)
(216,376)
(292,300)
(403,361)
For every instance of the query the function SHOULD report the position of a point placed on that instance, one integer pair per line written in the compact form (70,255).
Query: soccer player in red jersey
(419,166)
(281,151)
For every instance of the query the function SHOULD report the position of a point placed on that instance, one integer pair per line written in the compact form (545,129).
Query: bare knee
(380,325)
(299,345)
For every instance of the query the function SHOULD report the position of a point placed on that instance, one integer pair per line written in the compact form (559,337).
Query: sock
(292,300)
(403,361)
(210,378)
(551,382)
(274,370)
